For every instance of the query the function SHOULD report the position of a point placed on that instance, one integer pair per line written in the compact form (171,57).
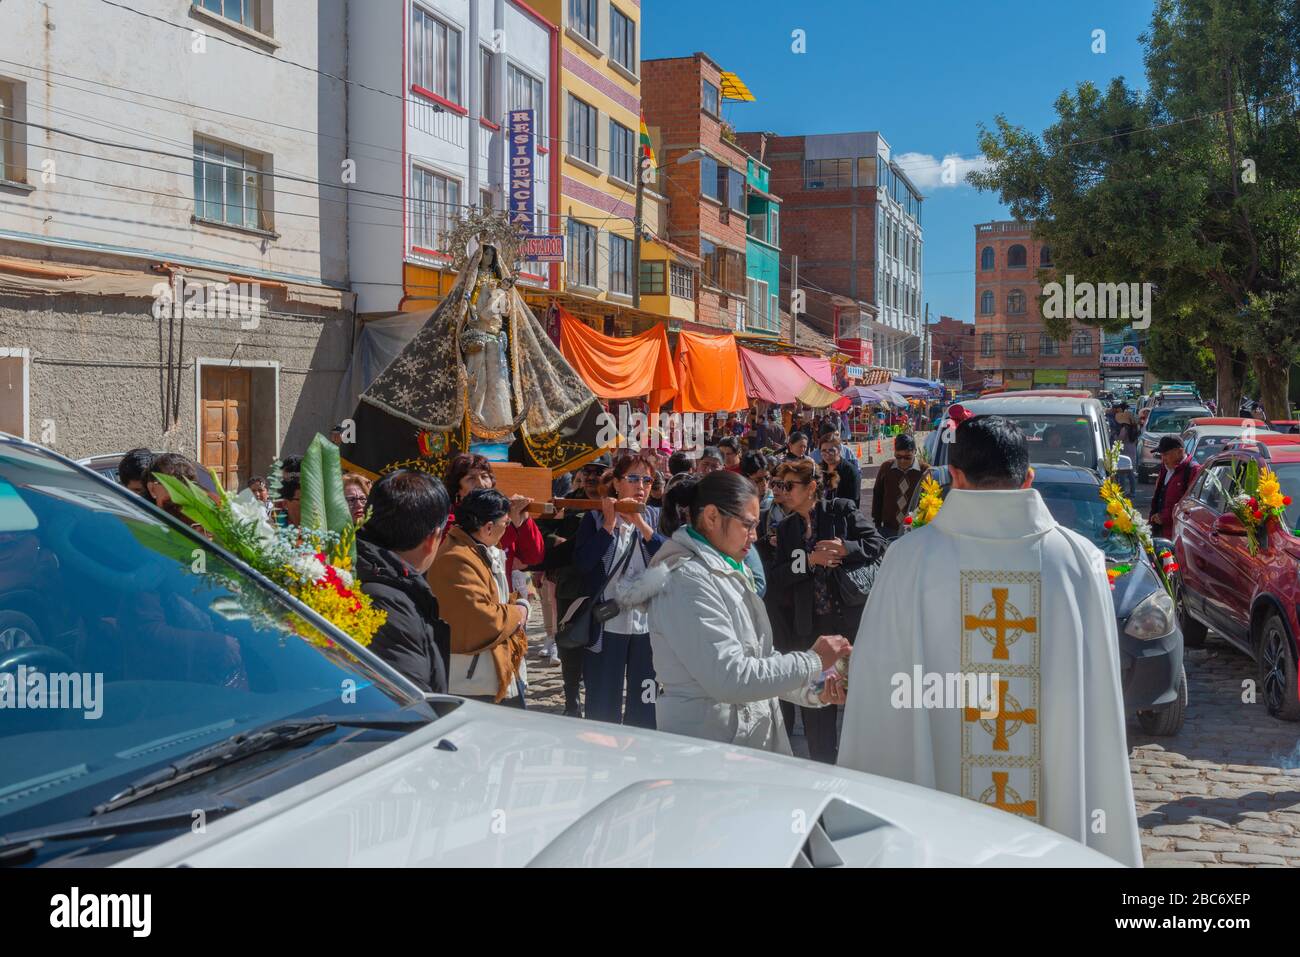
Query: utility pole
(646,170)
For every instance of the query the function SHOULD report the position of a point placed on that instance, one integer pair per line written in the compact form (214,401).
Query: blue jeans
(621,657)
(1128,480)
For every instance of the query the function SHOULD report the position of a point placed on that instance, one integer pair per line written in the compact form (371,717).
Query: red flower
(1286,499)
(1173,567)
(907,520)
(1109,523)
(1258,515)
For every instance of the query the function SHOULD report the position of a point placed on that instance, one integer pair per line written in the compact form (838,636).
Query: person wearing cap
(1178,472)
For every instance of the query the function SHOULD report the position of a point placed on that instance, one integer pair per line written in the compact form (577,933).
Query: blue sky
(922,74)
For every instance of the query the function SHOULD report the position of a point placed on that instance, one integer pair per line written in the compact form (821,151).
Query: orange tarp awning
(708,374)
(620,368)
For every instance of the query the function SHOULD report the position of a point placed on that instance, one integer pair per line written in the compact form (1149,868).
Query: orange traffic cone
(878,450)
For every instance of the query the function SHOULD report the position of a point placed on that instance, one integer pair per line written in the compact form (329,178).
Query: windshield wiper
(20,847)
(281,734)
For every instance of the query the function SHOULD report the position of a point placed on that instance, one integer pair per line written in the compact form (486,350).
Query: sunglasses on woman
(781,485)
(639,479)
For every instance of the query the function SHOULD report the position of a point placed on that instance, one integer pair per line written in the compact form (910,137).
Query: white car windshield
(1058,439)
(144,643)
(1172,421)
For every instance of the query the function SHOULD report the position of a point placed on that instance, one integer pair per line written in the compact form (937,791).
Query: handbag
(578,624)
(854,584)
(472,675)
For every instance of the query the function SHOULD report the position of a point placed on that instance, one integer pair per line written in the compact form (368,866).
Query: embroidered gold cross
(1000,800)
(1001,624)
(1004,716)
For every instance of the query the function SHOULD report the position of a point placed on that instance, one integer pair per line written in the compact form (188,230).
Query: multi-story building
(600,74)
(173,237)
(423,158)
(853,219)
(763,250)
(953,346)
(703,173)
(1015,349)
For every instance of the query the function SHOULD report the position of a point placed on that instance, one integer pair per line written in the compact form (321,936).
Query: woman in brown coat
(488,643)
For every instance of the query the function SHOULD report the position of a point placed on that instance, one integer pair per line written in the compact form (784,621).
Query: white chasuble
(1007,619)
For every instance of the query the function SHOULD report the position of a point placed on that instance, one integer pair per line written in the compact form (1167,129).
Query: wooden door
(226,423)
(13,410)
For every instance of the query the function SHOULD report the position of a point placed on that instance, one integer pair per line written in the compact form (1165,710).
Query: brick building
(707,213)
(1015,350)
(854,220)
(953,345)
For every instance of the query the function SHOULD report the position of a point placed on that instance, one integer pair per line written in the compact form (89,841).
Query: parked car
(1267,445)
(1063,427)
(1206,437)
(222,699)
(1251,600)
(1150,641)
(106,465)
(1161,422)
(1286,426)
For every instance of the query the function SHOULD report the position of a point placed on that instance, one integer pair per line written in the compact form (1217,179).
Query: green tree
(1190,186)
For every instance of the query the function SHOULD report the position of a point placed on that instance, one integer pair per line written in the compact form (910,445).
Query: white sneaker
(550,654)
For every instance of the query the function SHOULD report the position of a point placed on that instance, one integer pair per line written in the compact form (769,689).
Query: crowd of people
(753,533)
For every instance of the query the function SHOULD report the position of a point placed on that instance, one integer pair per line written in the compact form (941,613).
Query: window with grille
(986,302)
(488,84)
(435,55)
(583,18)
(986,344)
(711,99)
(1082,344)
(620,265)
(683,282)
(1048,346)
(247,13)
(228,185)
(622,152)
(1015,344)
(435,206)
(1015,302)
(525,93)
(622,39)
(654,278)
(1016,257)
(582,254)
(13,134)
(582,130)
(828,174)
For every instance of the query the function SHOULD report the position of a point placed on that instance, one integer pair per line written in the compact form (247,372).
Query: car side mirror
(1229,524)
(1123,464)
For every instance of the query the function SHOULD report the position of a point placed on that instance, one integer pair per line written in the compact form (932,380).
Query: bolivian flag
(646,148)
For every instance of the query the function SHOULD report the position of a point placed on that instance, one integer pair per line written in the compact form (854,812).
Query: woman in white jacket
(709,631)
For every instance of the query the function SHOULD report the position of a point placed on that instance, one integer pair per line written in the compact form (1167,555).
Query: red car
(1251,600)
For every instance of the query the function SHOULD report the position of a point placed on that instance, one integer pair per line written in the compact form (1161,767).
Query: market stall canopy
(906,385)
(708,374)
(620,368)
(818,368)
(780,380)
(874,395)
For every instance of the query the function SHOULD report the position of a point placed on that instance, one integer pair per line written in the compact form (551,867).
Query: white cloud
(927,172)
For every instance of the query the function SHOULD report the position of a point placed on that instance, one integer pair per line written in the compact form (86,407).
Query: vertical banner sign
(522,134)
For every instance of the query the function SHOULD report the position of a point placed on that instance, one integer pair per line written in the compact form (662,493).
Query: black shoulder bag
(576,627)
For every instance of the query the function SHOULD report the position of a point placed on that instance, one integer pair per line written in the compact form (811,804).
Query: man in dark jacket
(1177,473)
(394,550)
(894,493)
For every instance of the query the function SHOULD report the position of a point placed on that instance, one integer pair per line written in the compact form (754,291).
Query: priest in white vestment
(993,587)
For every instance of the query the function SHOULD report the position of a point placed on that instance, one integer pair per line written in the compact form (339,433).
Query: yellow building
(598,136)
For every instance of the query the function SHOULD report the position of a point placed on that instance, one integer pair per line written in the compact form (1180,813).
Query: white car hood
(492,786)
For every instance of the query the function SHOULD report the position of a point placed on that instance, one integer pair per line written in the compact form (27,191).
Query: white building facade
(441,147)
(189,144)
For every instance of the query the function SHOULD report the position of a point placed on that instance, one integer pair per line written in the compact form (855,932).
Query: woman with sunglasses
(804,596)
(613,546)
(710,633)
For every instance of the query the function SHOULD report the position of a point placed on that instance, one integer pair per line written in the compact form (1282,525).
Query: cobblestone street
(1224,792)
